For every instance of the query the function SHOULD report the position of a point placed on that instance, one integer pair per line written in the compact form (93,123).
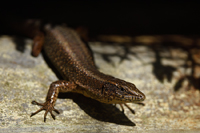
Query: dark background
(110,17)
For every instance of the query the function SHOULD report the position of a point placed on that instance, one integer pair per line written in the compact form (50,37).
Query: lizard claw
(45,106)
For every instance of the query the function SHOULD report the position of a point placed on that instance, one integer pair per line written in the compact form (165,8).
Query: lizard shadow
(97,110)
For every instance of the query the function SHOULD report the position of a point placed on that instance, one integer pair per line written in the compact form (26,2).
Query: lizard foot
(132,111)
(45,106)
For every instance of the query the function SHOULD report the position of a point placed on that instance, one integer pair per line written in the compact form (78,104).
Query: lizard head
(122,92)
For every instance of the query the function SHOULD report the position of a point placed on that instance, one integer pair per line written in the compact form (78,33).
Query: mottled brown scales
(74,60)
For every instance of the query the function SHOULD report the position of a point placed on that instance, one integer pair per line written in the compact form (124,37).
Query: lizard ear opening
(109,88)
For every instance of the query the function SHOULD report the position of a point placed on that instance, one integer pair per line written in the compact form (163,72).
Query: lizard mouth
(139,97)
(134,98)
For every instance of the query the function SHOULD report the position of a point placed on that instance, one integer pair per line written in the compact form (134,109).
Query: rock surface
(156,73)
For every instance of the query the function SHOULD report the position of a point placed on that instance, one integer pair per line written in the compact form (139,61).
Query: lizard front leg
(54,89)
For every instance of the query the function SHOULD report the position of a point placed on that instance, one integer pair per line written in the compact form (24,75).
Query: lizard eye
(122,89)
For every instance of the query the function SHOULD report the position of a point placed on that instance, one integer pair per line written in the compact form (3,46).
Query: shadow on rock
(97,110)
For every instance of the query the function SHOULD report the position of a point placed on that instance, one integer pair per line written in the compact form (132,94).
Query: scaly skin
(74,60)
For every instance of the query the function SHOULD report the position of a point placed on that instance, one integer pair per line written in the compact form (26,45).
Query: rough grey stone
(24,78)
